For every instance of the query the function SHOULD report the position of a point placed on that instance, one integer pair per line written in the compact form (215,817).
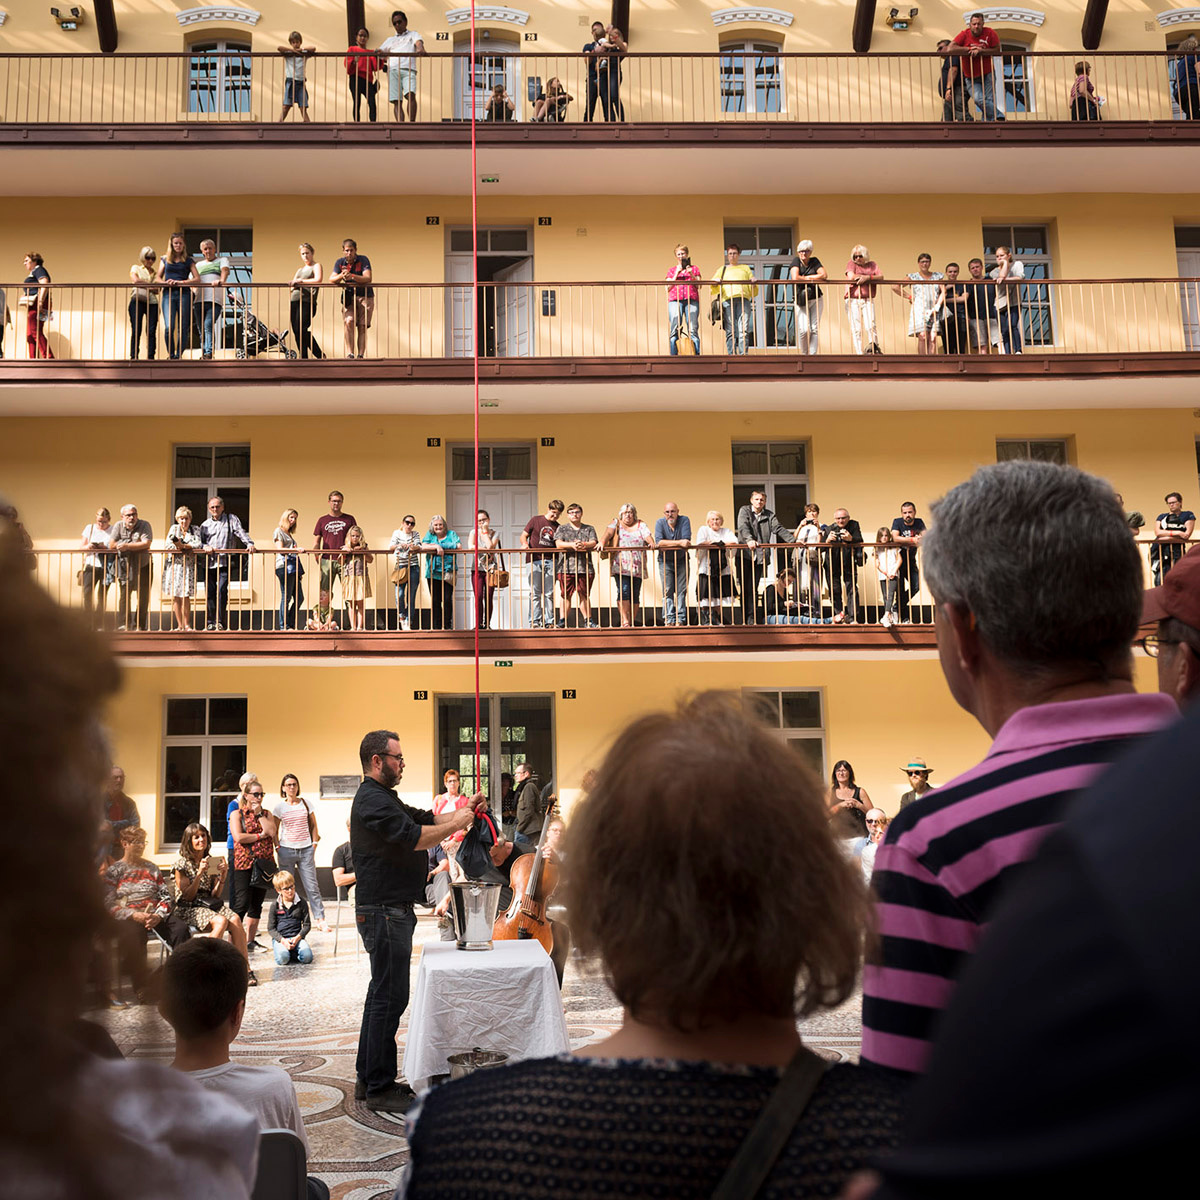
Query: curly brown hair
(54,676)
(702,872)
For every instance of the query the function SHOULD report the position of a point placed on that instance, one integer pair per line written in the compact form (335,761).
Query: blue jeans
(177,317)
(387,936)
(1010,329)
(291,596)
(983,92)
(302,954)
(688,310)
(216,588)
(210,313)
(735,320)
(541,591)
(302,864)
(674,586)
(402,597)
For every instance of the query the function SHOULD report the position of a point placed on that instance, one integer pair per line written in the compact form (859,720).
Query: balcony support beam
(106,25)
(356,19)
(1093,23)
(864,20)
(620,16)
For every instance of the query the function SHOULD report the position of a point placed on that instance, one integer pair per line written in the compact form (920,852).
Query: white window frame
(787,733)
(1045,259)
(750,50)
(768,481)
(1029,443)
(206,742)
(755,258)
(224,84)
(1013,48)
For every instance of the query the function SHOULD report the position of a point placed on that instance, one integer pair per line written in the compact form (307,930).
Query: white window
(202,472)
(751,77)
(1018,80)
(204,756)
(1050,450)
(235,243)
(798,717)
(780,470)
(1030,244)
(768,250)
(219,77)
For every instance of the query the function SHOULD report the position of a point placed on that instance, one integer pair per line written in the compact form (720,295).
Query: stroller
(250,336)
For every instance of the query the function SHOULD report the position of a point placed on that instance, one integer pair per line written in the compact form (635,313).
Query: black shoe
(396,1099)
(360,1090)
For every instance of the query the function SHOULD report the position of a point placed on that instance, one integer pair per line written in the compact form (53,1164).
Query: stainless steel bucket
(474,906)
(474,1060)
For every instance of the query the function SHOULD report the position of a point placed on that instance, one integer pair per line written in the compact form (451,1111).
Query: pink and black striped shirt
(946,859)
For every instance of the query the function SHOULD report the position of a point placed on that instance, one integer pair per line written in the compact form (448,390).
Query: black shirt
(342,858)
(981,299)
(806,291)
(384,832)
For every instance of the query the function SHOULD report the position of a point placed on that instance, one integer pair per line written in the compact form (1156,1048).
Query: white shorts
(402,81)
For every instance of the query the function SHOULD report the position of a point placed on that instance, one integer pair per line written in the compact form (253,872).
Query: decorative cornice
(3,16)
(755,16)
(510,16)
(1008,16)
(1179,16)
(218,13)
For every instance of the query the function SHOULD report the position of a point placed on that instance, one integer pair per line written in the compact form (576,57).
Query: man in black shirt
(981,309)
(389,840)
(845,557)
(591,50)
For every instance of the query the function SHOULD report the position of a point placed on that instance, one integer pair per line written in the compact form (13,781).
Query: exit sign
(502,662)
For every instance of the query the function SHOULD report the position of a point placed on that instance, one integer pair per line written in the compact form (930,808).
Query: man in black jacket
(846,555)
(530,809)
(757,528)
(390,863)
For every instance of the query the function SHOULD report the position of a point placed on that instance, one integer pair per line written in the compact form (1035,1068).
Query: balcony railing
(250,592)
(234,87)
(96,322)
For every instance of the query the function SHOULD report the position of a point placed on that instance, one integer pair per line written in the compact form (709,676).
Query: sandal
(253,980)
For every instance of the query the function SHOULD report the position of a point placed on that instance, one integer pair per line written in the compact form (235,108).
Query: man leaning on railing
(218,534)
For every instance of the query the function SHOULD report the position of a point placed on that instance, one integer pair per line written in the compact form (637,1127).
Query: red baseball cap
(1179,594)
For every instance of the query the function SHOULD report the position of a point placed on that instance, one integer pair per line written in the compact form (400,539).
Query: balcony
(803,617)
(106,107)
(1084,341)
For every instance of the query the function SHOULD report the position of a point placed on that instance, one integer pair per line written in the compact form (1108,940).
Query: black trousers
(360,86)
(750,574)
(302,315)
(843,582)
(216,591)
(441,599)
(142,310)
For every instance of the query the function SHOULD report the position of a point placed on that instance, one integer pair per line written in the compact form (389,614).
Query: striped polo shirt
(946,860)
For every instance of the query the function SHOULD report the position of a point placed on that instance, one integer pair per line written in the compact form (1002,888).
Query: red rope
(475,364)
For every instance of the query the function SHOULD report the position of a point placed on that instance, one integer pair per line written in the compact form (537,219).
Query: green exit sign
(503,662)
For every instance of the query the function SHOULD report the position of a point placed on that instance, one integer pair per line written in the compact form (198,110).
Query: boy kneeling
(289,923)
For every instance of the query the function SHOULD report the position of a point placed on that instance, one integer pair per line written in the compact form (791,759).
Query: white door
(514,311)
(496,62)
(460,317)
(1189,297)
(510,506)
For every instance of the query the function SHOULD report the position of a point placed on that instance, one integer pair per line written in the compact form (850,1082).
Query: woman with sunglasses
(143,303)
(405,566)
(862,271)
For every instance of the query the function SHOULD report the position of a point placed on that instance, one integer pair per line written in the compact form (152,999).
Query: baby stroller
(250,336)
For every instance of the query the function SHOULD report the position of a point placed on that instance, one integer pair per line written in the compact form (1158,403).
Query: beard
(389,776)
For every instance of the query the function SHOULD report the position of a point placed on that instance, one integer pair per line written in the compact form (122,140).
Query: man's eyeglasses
(398,757)
(1151,642)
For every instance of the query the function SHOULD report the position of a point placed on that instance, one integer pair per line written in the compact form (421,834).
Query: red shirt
(975,68)
(360,61)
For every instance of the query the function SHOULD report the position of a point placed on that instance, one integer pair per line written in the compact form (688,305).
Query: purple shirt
(945,860)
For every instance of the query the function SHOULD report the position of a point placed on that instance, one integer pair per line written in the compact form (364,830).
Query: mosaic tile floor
(306,1020)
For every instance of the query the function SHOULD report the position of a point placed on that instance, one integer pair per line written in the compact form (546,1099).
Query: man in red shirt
(977,44)
(330,532)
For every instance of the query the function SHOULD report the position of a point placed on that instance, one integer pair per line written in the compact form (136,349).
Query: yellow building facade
(761,125)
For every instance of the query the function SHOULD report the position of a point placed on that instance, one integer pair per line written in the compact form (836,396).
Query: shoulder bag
(683,334)
(714,309)
(759,1152)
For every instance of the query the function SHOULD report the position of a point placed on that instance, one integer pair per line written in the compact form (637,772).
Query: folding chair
(282,1167)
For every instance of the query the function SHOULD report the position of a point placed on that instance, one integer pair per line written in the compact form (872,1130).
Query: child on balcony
(294,90)
(887,567)
(356,579)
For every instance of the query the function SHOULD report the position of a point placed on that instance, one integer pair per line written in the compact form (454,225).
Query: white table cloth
(505,999)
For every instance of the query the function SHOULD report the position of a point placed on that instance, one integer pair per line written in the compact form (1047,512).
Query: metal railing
(710,586)
(235,87)
(99,322)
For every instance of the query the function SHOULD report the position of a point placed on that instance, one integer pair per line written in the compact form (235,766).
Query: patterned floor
(306,1019)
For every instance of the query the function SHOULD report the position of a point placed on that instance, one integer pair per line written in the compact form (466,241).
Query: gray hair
(246,780)
(631,508)
(1041,557)
(804,245)
(435,519)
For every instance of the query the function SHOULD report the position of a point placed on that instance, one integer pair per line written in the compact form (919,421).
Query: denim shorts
(294,92)
(629,587)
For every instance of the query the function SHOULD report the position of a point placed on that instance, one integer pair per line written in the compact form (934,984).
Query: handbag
(399,575)
(497,578)
(714,309)
(262,871)
(450,578)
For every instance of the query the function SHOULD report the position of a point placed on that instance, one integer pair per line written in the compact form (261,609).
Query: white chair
(337,921)
(282,1167)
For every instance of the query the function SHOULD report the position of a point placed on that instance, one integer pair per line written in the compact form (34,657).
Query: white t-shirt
(264,1092)
(708,536)
(1005,293)
(293,825)
(161,1135)
(210,290)
(93,533)
(403,541)
(407,42)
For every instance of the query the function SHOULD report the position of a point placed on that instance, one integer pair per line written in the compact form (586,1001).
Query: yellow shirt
(735,281)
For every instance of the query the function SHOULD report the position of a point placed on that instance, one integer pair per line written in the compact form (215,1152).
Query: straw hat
(917,764)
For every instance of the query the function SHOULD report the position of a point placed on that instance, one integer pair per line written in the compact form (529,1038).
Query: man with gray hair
(1034,628)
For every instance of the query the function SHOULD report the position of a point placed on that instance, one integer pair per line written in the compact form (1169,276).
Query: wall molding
(1008,16)
(508,16)
(222,14)
(753,16)
(3,16)
(1179,16)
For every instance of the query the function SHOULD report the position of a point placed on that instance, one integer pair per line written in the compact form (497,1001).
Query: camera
(684,263)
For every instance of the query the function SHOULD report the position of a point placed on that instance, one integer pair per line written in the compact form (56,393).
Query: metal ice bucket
(474,1060)
(474,906)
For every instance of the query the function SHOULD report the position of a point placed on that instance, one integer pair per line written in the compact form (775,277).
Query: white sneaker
(404,624)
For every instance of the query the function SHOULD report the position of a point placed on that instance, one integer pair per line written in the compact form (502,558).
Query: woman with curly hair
(199,880)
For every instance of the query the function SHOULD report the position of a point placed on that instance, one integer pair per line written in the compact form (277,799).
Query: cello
(533,878)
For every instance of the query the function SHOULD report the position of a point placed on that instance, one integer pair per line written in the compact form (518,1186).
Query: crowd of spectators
(758,572)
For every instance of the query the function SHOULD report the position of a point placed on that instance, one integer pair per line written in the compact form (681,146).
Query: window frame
(1013,57)
(1031,302)
(240,84)
(213,485)
(768,481)
(761,50)
(205,742)
(241,272)
(774,291)
(1029,443)
(786,732)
